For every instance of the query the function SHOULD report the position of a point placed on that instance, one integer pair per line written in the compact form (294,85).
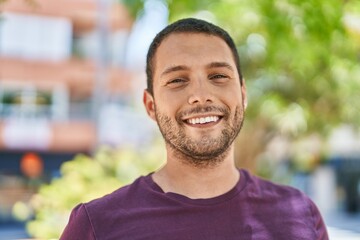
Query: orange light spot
(31,165)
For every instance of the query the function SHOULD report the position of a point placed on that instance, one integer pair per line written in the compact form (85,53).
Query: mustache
(201,110)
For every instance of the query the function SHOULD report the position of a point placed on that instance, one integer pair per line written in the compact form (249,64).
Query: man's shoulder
(278,204)
(265,188)
(121,197)
(98,216)
(273,196)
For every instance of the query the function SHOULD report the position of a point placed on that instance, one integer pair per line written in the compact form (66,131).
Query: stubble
(208,151)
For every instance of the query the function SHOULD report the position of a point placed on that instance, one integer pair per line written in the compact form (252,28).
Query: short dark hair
(187,25)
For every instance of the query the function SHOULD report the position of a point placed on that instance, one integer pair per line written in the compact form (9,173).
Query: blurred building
(57,58)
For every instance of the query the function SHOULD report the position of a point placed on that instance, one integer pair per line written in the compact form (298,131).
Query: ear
(149,104)
(244,95)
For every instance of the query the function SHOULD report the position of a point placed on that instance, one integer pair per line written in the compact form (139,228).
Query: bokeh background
(73,128)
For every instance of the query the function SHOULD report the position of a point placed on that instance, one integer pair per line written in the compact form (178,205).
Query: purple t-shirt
(254,209)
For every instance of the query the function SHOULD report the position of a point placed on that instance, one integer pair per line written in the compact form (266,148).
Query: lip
(202,116)
(203,120)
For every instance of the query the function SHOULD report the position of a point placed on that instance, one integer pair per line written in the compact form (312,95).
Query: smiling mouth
(203,120)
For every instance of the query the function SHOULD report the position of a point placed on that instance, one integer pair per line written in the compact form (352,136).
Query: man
(197,96)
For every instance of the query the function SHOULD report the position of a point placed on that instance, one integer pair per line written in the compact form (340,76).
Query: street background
(73,128)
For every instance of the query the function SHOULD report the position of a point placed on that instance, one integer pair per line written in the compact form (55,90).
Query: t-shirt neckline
(200,201)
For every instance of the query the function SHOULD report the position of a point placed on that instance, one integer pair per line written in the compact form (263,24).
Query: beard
(207,151)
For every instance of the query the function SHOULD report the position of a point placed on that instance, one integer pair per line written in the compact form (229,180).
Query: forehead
(192,49)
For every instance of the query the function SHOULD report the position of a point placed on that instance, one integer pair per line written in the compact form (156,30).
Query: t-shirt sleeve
(319,225)
(79,226)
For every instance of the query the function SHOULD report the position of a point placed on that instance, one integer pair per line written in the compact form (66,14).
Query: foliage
(83,179)
(300,61)
(297,56)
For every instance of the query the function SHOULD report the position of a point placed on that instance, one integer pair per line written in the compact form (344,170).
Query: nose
(200,94)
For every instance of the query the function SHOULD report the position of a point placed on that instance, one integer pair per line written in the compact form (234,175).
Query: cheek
(167,105)
(171,100)
(232,98)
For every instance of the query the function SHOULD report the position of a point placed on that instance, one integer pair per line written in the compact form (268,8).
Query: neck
(198,181)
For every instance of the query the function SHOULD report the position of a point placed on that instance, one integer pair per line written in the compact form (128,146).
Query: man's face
(198,102)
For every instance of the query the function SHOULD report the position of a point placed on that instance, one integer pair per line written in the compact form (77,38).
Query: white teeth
(203,120)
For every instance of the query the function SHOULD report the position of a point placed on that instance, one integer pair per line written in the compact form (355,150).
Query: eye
(176,82)
(219,77)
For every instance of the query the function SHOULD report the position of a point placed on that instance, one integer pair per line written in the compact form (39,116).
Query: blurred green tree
(86,178)
(299,58)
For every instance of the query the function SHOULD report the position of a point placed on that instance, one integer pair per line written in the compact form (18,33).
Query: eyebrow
(210,65)
(174,69)
(220,65)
